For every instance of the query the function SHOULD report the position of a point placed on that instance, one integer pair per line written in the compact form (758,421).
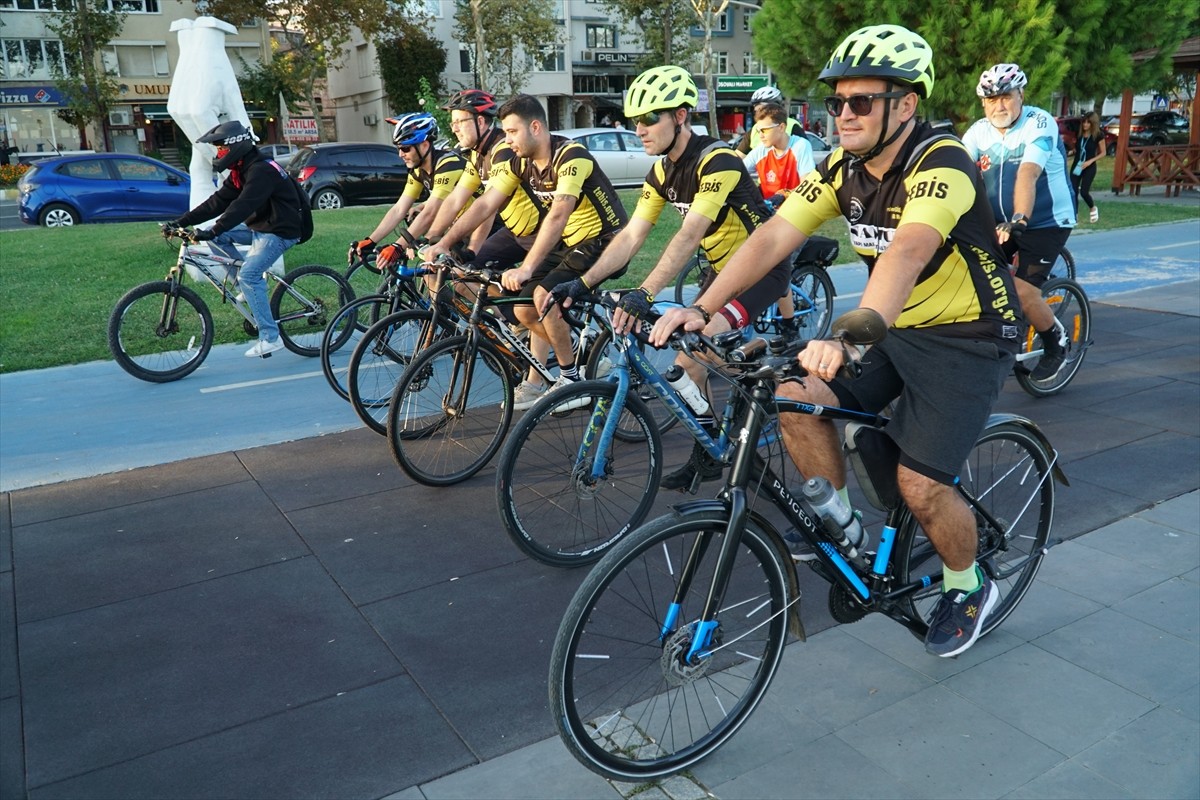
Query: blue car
(101,187)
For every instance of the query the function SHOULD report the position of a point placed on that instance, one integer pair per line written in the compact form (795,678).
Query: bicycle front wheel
(160,332)
(305,301)
(336,348)
(1010,476)
(450,411)
(551,505)
(1070,305)
(626,701)
(812,292)
(382,356)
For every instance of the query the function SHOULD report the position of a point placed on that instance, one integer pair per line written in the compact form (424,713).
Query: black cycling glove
(203,235)
(637,303)
(573,290)
(1014,228)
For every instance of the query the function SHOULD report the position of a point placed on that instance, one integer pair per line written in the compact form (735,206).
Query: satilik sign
(300,129)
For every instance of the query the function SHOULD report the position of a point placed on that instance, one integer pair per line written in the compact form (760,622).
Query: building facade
(581,82)
(142,60)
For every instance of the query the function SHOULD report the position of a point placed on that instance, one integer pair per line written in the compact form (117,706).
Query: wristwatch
(1019,218)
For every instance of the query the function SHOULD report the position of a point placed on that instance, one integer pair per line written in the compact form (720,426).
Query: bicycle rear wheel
(551,506)
(623,698)
(1064,265)
(602,351)
(304,303)
(1009,473)
(160,332)
(1070,305)
(380,358)
(335,358)
(450,411)
(692,272)
(812,294)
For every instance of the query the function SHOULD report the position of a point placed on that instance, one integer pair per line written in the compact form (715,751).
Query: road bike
(673,638)
(396,290)
(163,330)
(454,402)
(811,287)
(571,483)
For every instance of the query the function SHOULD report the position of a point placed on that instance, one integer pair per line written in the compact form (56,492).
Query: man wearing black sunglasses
(706,181)
(919,217)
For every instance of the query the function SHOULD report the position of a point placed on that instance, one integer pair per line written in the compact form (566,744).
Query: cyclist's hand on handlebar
(631,308)
(203,235)
(690,319)
(1010,230)
(513,279)
(435,251)
(822,358)
(364,247)
(390,256)
(565,293)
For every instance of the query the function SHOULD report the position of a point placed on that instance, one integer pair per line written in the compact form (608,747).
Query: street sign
(300,129)
(1160,104)
(740,83)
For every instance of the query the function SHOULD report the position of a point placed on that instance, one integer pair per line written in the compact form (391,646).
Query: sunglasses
(860,104)
(765,128)
(407,148)
(649,118)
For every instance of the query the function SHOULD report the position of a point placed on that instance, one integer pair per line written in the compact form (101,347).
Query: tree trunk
(481,61)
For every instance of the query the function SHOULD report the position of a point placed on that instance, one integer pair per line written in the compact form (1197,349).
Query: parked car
(1154,127)
(101,187)
(1068,130)
(281,153)
(618,152)
(819,147)
(349,173)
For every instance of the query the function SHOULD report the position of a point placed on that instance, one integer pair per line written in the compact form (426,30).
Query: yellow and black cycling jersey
(571,171)
(519,211)
(966,289)
(709,179)
(448,166)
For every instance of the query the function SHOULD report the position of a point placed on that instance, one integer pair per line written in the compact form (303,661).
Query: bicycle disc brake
(676,671)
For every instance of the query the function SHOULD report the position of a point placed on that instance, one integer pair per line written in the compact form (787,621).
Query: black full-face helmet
(234,142)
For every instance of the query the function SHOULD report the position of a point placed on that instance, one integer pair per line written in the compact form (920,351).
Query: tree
(85,30)
(507,36)
(707,11)
(264,83)
(317,31)
(665,27)
(407,62)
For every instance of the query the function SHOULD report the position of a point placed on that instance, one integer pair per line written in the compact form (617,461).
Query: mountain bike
(571,483)
(1073,313)
(673,638)
(811,287)
(453,404)
(395,292)
(163,330)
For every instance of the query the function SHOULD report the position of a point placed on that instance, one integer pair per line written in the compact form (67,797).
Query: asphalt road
(70,422)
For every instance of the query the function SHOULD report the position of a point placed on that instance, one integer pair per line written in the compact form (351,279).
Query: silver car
(619,153)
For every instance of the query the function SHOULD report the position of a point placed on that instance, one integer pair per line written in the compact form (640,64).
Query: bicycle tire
(1070,305)
(1065,263)
(812,293)
(380,358)
(142,348)
(1009,472)
(304,303)
(335,358)
(662,360)
(438,442)
(691,273)
(623,704)
(549,505)
(364,278)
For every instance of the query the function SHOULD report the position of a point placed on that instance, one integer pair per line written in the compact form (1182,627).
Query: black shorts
(503,249)
(1036,252)
(745,308)
(944,390)
(566,264)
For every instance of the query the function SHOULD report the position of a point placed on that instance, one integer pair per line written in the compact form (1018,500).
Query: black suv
(1154,127)
(349,173)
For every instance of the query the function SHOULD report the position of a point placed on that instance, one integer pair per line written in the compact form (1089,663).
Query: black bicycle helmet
(233,135)
(476,101)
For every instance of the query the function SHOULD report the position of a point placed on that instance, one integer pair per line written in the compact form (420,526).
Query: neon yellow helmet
(883,51)
(661,89)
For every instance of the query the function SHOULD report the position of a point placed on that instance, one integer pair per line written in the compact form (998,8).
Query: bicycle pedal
(694,486)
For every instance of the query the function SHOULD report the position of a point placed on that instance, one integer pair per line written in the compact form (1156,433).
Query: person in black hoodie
(260,194)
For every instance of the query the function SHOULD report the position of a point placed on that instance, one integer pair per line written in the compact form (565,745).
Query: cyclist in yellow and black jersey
(919,216)
(577,213)
(432,174)
(704,179)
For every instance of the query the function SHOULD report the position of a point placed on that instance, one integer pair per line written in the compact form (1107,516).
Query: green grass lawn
(58,287)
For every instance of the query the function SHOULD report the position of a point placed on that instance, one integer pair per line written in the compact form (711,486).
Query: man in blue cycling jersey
(1024,165)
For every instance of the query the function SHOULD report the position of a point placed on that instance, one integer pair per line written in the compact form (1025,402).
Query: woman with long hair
(1089,148)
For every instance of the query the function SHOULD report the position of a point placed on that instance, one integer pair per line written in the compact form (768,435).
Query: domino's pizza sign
(30,96)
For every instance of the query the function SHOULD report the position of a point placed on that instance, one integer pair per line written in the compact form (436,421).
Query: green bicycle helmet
(890,52)
(661,89)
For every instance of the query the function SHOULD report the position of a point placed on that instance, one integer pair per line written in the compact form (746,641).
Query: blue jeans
(264,249)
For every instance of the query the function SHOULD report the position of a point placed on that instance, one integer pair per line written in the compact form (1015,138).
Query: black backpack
(306,217)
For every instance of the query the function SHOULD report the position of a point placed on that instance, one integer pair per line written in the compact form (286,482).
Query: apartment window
(722,25)
(135,60)
(466,58)
(434,8)
(550,59)
(720,63)
(362,55)
(753,65)
(601,36)
(747,16)
(30,58)
(134,6)
(28,5)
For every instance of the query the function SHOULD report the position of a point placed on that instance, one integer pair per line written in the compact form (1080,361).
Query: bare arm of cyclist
(549,235)
(1024,192)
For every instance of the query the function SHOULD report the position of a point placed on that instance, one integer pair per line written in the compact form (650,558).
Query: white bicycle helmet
(1000,79)
(766,94)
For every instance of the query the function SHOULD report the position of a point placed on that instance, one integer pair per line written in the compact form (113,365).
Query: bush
(11,173)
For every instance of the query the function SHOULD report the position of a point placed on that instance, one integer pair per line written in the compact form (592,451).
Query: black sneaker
(1054,355)
(700,467)
(958,619)
(789,329)
(800,548)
